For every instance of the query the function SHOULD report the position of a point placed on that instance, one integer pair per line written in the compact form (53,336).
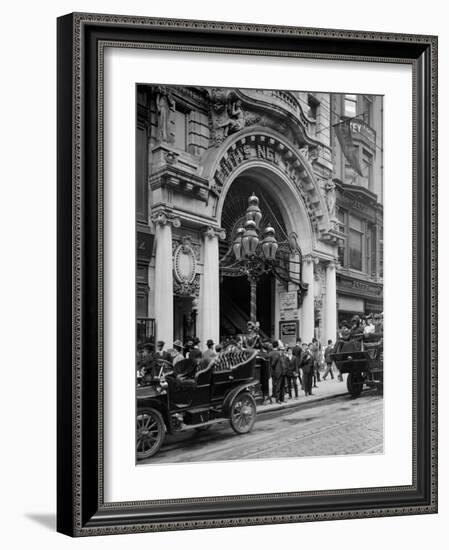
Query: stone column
(163,278)
(210,288)
(308,304)
(330,320)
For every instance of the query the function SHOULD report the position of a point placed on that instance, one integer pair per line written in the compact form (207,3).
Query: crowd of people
(284,370)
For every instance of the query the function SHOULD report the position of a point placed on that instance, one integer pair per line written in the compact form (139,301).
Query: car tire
(242,413)
(354,384)
(150,433)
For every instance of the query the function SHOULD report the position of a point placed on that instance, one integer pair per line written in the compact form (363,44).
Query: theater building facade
(201,153)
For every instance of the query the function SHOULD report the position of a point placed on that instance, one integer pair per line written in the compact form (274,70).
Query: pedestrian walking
(327,357)
(307,364)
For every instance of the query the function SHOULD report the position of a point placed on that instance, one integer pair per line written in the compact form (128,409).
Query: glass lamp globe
(253,211)
(250,238)
(237,244)
(269,243)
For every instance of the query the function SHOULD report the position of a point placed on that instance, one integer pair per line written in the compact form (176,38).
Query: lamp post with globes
(254,249)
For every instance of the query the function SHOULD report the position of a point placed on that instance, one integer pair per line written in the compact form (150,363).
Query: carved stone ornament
(273,151)
(191,290)
(184,263)
(211,232)
(162,217)
(226,114)
(165,106)
(330,197)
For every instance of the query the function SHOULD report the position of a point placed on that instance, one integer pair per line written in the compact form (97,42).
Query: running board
(186,427)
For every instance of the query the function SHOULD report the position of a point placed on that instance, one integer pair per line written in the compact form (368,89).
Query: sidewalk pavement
(327,389)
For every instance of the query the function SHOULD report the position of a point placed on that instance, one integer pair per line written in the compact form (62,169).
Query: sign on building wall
(288,300)
(289,332)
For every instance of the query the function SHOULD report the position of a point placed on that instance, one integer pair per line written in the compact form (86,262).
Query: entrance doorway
(235,305)
(235,291)
(184,318)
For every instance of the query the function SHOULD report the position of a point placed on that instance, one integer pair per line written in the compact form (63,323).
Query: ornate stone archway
(261,147)
(271,161)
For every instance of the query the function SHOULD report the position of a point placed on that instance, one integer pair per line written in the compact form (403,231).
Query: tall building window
(381,253)
(367,106)
(181,129)
(367,167)
(350,105)
(313,104)
(355,243)
(342,217)
(141,174)
(372,234)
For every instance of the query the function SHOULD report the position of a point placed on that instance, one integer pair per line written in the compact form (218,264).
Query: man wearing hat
(210,353)
(148,362)
(307,364)
(177,355)
(160,353)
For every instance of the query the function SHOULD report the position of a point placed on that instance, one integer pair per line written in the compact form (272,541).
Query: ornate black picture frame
(81,510)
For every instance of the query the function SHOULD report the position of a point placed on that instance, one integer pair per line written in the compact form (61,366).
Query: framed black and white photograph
(261,213)
(246,274)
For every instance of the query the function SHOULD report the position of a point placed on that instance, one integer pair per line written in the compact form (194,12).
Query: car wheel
(354,385)
(150,433)
(243,413)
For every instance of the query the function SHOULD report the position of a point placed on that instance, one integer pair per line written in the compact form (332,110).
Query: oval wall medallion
(184,263)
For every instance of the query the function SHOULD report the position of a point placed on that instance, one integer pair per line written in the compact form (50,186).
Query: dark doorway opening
(235,305)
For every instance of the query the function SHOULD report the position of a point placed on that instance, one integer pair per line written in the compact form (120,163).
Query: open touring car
(194,395)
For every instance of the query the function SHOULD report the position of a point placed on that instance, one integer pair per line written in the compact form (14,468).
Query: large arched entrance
(235,290)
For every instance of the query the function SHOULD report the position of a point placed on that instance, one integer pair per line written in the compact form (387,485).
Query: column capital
(310,258)
(210,232)
(164,216)
(332,264)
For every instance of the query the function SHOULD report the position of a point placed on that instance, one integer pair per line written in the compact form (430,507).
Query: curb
(296,404)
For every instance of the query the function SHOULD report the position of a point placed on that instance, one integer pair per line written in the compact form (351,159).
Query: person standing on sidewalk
(292,374)
(265,372)
(297,352)
(307,364)
(327,357)
(276,372)
(316,364)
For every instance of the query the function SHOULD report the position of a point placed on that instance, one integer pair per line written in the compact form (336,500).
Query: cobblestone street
(337,426)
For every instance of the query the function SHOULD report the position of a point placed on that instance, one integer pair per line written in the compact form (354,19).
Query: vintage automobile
(193,395)
(362,359)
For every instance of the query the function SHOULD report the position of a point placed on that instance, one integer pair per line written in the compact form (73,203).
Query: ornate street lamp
(237,244)
(269,244)
(256,256)
(250,239)
(253,211)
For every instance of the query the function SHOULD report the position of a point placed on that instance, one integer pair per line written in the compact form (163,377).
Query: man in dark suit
(276,372)
(307,364)
(265,372)
(297,356)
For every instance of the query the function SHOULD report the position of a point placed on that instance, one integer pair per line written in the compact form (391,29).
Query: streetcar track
(303,438)
(268,437)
